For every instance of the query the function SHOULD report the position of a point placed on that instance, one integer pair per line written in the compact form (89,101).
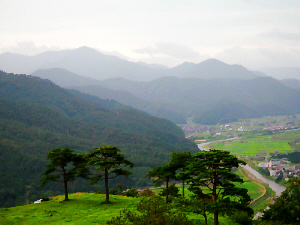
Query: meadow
(83,208)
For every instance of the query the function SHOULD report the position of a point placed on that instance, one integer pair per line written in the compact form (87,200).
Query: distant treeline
(294,157)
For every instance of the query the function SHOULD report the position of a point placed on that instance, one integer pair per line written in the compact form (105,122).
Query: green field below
(260,145)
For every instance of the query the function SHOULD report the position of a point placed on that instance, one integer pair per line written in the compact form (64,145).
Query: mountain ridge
(91,63)
(177,99)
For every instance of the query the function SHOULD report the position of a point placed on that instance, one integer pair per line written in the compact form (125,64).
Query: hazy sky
(253,33)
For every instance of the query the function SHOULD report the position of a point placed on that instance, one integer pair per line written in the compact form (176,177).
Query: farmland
(261,145)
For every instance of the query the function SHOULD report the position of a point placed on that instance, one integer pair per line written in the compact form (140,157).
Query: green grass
(259,145)
(254,189)
(263,202)
(88,208)
(85,208)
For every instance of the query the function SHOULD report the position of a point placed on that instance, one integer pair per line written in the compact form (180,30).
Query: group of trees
(211,179)
(286,208)
(103,163)
(209,175)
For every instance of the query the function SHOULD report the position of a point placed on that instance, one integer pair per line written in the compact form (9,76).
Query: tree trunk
(65,183)
(106,185)
(214,193)
(183,188)
(167,195)
(66,190)
(216,219)
(183,170)
(205,216)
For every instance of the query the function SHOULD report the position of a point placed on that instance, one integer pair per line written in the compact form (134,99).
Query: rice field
(261,146)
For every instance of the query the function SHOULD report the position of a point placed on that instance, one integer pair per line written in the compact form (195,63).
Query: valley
(268,143)
(253,116)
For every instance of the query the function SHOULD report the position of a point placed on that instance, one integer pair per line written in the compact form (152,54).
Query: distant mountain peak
(85,49)
(212,61)
(212,69)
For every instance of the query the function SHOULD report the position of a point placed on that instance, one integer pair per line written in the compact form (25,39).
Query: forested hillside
(37,116)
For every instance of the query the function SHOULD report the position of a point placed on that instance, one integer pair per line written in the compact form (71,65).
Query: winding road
(278,188)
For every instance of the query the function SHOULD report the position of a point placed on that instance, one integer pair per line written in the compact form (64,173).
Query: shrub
(45,198)
(153,210)
(113,191)
(98,191)
(241,218)
(173,191)
(147,192)
(132,192)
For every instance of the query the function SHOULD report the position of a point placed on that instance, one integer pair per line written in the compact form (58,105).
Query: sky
(252,33)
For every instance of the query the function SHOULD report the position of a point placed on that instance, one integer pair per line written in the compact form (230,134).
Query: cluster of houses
(281,166)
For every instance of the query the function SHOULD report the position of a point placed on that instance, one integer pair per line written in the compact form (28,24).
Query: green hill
(37,116)
(83,208)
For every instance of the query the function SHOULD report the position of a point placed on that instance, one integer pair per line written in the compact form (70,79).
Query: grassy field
(88,208)
(83,208)
(261,145)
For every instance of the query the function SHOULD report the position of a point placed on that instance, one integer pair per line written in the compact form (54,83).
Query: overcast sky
(253,33)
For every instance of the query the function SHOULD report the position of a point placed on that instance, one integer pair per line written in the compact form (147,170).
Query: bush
(241,218)
(153,210)
(98,191)
(279,178)
(173,191)
(113,191)
(45,198)
(132,192)
(263,171)
(147,192)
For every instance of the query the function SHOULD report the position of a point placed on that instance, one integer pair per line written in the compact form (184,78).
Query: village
(268,123)
(277,167)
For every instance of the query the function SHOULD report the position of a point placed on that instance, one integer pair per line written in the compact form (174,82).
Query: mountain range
(177,99)
(90,63)
(187,91)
